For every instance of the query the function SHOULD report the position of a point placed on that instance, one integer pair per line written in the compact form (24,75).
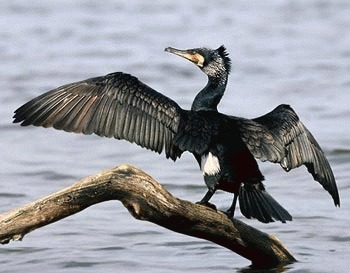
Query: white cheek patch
(210,164)
(199,60)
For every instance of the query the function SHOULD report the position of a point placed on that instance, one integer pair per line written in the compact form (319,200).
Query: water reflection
(278,269)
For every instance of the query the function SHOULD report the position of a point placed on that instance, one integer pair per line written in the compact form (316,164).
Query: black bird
(119,105)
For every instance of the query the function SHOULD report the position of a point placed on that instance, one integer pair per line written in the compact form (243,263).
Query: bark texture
(146,200)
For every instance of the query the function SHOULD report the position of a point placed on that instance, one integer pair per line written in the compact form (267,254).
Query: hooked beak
(188,54)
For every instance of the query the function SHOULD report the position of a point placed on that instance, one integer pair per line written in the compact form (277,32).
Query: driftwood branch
(146,200)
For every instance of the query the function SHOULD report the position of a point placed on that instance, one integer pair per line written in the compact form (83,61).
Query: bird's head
(212,62)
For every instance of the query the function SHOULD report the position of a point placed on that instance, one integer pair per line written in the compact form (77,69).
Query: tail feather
(262,207)
(255,202)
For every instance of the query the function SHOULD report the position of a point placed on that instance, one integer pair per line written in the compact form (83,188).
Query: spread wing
(279,136)
(116,105)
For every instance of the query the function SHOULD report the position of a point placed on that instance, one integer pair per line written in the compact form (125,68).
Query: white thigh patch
(210,164)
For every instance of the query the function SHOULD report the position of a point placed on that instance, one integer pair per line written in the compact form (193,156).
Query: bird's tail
(255,202)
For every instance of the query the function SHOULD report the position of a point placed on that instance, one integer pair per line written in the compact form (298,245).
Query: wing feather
(281,137)
(116,105)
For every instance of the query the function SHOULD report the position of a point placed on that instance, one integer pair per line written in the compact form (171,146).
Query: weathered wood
(146,200)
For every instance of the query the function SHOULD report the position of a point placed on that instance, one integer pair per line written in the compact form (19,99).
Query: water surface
(294,52)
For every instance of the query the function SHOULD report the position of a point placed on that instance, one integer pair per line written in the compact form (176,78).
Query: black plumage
(119,105)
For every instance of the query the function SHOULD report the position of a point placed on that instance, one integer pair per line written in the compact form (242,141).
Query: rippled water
(295,52)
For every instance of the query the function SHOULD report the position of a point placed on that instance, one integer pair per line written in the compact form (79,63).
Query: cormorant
(119,105)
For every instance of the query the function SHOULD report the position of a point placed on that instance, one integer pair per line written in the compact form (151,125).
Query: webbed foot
(230,213)
(207,204)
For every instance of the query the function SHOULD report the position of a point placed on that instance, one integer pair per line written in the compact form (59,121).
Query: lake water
(290,51)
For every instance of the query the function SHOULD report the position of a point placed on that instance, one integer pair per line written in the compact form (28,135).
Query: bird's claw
(207,204)
(229,213)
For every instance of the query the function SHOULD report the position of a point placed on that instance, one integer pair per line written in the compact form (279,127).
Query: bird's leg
(206,198)
(231,211)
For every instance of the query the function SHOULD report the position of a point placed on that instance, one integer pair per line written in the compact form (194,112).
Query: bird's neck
(209,97)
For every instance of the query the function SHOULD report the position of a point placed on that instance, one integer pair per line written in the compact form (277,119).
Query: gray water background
(290,51)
